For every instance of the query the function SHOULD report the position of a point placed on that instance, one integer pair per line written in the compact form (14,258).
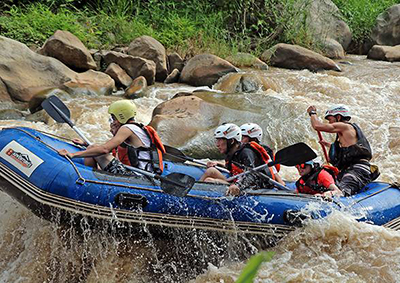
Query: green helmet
(123,110)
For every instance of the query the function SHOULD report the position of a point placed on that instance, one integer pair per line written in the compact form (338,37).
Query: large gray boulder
(149,48)
(205,70)
(119,75)
(385,53)
(322,20)
(4,95)
(175,62)
(387,29)
(67,48)
(25,73)
(182,118)
(297,57)
(134,66)
(245,82)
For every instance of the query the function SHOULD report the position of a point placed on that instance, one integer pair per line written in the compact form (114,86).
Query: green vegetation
(249,272)
(361,15)
(189,27)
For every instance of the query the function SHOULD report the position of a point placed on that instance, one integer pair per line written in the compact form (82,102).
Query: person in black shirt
(238,158)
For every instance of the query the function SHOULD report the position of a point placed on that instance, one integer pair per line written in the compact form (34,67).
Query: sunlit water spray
(337,249)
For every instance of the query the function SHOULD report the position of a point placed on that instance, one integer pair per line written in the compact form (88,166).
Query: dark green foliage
(361,15)
(189,27)
(35,24)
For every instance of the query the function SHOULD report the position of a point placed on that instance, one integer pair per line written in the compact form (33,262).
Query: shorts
(116,167)
(354,178)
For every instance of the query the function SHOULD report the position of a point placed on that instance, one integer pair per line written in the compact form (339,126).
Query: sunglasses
(111,120)
(301,166)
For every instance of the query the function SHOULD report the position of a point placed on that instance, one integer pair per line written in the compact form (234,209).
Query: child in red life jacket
(317,180)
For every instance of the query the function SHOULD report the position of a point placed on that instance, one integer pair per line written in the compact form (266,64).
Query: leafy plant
(252,266)
(361,15)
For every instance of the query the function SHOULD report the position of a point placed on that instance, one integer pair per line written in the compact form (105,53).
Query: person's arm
(215,163)
(97,150)
(319,126)
(325,179)
(279,179)
(333,191)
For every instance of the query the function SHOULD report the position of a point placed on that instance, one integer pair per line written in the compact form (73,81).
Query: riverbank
(222,28)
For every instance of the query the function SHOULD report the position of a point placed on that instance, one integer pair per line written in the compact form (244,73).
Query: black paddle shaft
(289,156)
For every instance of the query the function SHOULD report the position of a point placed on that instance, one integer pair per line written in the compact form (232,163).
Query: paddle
(179,155)
(289,156)
(265,176)
(176,184)
(323,147)
(275,183)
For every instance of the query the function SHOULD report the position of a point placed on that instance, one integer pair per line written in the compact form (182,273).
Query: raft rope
(82,180)
(393,185)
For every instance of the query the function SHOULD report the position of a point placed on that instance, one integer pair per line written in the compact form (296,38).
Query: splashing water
(336,249)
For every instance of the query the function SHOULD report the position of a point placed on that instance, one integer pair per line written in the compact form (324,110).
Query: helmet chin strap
(229,145)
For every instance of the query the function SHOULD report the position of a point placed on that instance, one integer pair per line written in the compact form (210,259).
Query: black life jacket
(129,155)
(234,162)
(342,157)
(308,184)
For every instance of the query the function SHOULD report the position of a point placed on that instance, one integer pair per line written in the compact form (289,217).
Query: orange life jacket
(272,156)
(264,155)
(128,154)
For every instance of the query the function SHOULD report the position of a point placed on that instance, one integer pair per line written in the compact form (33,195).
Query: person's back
(139,150)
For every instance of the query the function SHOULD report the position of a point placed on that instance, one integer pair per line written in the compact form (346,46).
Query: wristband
(312,112)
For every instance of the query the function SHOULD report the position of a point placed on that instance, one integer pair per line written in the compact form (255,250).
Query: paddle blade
(177,184)
(295,154)
(174,151)
(56,109)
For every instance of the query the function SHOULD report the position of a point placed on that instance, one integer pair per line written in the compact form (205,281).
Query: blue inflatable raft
(34,174)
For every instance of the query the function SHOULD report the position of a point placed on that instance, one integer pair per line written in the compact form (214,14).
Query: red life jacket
(308,184)
(234,169)
(129,155)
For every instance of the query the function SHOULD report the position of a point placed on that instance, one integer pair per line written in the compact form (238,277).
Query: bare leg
(104,159)
(212,173)
(216,181)
(91,162)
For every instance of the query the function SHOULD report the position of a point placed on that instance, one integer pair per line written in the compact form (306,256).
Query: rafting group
(134,145)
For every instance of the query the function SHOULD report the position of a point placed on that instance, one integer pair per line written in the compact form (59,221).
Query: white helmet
(338,110)
(252,130)
(228,131)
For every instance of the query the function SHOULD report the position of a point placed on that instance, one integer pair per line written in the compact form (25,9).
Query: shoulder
(131,127)
(325,175)
(342,127)
(246,150)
